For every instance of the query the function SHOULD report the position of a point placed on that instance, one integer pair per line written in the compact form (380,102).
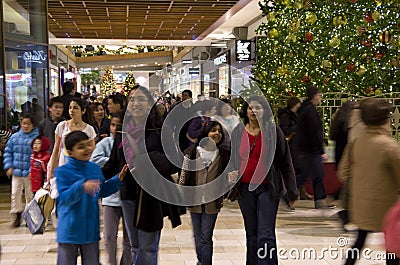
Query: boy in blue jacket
(17,157)
(80,185)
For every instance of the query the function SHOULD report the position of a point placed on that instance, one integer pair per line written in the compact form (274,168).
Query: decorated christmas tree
(129,83)
(350,46)
(108,84)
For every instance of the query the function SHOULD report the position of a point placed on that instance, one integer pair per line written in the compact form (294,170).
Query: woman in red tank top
(261,155)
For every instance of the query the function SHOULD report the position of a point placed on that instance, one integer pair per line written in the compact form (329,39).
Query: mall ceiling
(139,19)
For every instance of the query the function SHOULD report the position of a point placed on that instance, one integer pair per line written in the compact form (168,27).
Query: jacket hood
(46,144)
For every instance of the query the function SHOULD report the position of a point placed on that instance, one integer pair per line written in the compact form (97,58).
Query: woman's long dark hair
(263,102)
(89,114)
(154,119)
(206,128)
(340,121)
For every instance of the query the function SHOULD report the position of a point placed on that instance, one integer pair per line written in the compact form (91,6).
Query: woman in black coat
(143,213)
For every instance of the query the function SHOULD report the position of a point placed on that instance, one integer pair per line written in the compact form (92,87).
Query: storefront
(183,75)
(242,60)
(24,61)
(222,64)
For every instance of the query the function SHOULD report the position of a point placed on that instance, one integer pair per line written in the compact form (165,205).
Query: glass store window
(26,80)
(25,20)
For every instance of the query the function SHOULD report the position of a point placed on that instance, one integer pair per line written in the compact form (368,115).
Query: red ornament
(309,37)
(379,55)
(369,90)
(366,43)
(368,18)
(353,1)
(351,67)
(305,79)
(385,37)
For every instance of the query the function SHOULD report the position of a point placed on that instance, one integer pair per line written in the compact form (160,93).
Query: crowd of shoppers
(268,162)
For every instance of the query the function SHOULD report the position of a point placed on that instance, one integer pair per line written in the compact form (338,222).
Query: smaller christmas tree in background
(129,83)
(108,84)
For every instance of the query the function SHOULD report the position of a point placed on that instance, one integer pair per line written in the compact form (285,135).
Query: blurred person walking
(48,125)
(112,205)
(309,144)
(372,165)
(16,163)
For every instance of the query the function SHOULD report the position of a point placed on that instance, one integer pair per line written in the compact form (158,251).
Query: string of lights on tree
(108,85)
(129,83)
(350,46)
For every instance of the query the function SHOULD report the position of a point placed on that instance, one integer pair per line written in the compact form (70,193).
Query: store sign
(34,56)
(194,70)
(243,50)
(220,60)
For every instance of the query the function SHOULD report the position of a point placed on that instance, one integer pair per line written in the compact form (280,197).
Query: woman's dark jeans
(259,211)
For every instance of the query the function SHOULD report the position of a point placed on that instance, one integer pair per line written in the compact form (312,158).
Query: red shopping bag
(391,230)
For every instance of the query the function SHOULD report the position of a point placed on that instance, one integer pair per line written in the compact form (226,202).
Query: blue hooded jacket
(18,151)
(78,212)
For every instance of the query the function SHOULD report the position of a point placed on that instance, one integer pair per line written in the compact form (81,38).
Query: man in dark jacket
(310,147)
(68,89)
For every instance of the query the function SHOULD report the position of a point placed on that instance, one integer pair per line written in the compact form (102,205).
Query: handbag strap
(254,143)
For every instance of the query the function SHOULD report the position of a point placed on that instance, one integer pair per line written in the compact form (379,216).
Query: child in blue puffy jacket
(80,184)
(16,163)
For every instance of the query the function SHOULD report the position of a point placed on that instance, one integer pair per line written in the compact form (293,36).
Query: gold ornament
(376,15)
(326,80)
(334,42)
(298,4)
(378,2)
(361,71)
(295,25)
(311,52)
(271,17)
(282,70)
(378,92)
(339,21)
(326,64)
(307,4)
(396,43)
(361,30)
(273,33)
(291,38)
(311,18)
(394,62)
(287,3)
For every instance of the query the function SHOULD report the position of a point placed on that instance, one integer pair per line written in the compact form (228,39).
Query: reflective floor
(307,236)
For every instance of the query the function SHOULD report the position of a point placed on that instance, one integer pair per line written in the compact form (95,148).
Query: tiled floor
(305,230)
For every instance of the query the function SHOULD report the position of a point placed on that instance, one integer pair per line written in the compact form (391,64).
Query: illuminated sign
(220,60)
(194,70)
(243,50)
(34,56)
